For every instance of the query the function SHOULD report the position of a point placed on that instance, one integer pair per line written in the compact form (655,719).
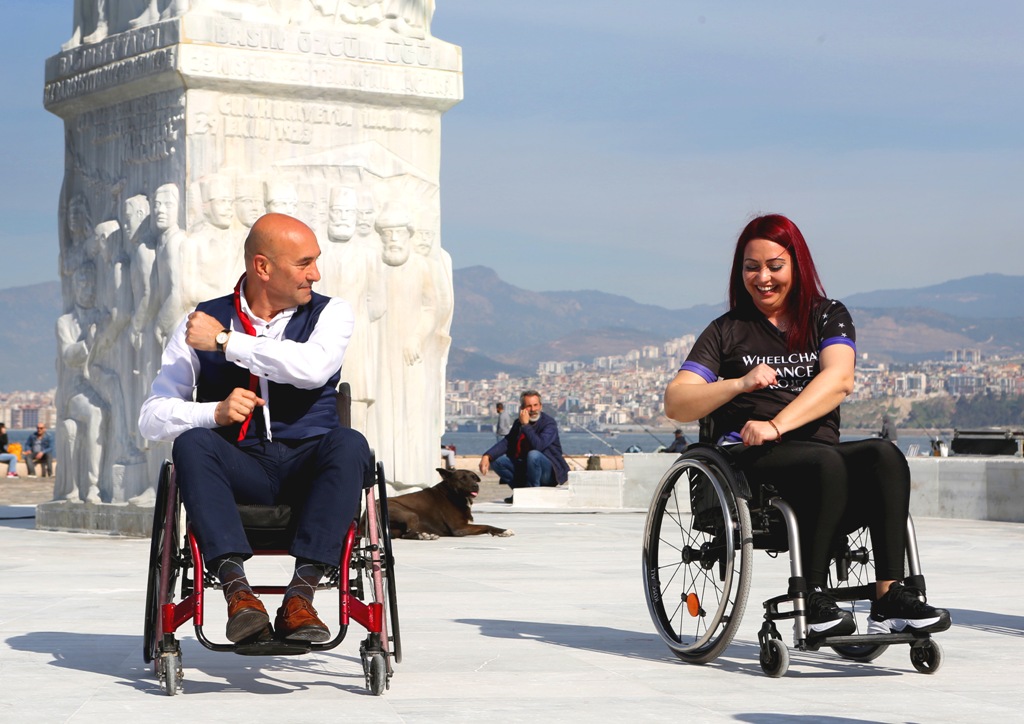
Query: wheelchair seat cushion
(267,527)
(265,516)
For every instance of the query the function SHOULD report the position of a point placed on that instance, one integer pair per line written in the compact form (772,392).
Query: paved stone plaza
(549,625)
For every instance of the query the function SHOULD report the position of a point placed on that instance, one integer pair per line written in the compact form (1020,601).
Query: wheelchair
(702,528)
(365,579)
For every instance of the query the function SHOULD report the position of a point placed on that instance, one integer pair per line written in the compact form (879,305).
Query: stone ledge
(106,518)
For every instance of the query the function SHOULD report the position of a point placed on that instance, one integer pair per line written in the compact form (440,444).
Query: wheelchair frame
(175,558)
(697,562)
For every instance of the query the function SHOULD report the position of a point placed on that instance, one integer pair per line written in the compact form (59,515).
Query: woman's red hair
(806,289)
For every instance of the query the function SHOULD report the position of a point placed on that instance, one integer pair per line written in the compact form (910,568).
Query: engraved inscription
(119,47)
(398,51)
(117,73)
(143,130)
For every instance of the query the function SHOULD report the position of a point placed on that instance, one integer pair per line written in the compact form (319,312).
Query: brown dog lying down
(440,510)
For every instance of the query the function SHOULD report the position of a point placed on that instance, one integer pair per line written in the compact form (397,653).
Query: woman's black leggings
(835,489)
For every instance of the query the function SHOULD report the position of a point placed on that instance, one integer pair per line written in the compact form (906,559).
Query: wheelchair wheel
(376,675)
(170,672)
(164,558)
(853,588)
(774,658)
(696,566)
(387,645)
(389,563)
(926,656)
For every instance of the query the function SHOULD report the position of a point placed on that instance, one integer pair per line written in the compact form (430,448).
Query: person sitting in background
(448,453)
(6,457)
(39,451)
(504,423)
(678,444)
(531,454)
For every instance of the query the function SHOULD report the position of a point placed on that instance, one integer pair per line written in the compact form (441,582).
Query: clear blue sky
(622,145)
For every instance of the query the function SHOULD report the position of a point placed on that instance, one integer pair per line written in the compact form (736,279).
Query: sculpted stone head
(165,207)
(78,216)
(281,197)
(366,213)
(426,234)
(218,200)
(135,216)
(83,285)
(309,210)
(396,229)
(248,200)
(341,213)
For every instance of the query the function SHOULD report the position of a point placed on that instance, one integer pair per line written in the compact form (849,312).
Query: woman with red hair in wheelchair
(771,374)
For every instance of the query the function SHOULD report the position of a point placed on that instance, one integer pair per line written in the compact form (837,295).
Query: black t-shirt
(738,341)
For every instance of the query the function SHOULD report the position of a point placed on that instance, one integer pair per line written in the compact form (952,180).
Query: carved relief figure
(309,209)
(94,20)
(439,342)
(141,334)
(110,353)
(408,446)
(366,219)
(80,430)
(169,260)
(356,12)
(352,270)
(248,200)
(90,23)
(281,197)
(212,256)
(74,251)
(411,17)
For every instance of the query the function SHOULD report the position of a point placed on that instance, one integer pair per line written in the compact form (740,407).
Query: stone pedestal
(79,517)
(184,122)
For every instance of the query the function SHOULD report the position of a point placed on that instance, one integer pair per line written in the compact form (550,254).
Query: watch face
(222,338)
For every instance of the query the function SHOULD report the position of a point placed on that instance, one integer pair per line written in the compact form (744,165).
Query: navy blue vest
(295,414)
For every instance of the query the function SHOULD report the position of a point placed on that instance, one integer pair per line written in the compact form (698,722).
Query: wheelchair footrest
(273,647)
(871,639)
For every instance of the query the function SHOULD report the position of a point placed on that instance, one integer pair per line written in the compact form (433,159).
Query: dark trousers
(321,478)
(835,489)
(45,464)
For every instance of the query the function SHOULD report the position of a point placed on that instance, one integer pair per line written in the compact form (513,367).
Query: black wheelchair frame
(365,580)
(702,527)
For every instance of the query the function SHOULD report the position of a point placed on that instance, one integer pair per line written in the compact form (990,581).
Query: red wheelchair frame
(366,554)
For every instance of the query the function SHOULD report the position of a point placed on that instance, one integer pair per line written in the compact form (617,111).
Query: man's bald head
(271,234)
(280,264)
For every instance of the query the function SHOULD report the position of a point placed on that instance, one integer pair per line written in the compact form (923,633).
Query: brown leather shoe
(297,620)
(246,616)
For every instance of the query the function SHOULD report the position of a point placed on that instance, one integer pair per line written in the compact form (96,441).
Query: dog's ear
(444,473)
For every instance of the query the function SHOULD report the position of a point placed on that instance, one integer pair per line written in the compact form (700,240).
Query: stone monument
(184,121)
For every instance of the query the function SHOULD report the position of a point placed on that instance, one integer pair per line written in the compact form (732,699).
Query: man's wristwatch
(222,338)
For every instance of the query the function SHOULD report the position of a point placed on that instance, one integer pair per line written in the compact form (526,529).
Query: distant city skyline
(616,147)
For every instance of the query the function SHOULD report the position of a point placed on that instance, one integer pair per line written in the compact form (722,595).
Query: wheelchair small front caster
(926,656)
(376,675)
(170,673)
(774,658)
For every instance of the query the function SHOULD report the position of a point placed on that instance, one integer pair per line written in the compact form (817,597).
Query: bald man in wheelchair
(247,391)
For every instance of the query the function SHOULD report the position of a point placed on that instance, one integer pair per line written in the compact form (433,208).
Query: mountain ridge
(498,327)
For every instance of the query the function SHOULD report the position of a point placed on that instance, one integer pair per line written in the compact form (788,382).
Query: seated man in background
(6,457)
(247,391)
(38,450)
(530,455)
(679,443)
